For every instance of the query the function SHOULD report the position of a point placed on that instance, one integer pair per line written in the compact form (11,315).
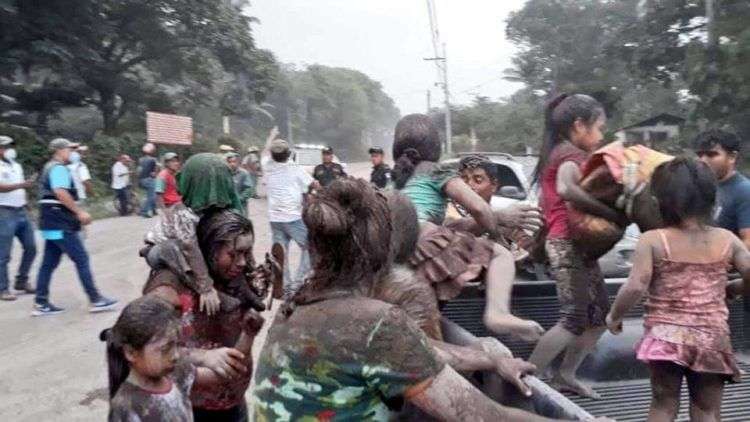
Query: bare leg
(574,355)
(706,391)
(552,343)
(497,317)
(666,379)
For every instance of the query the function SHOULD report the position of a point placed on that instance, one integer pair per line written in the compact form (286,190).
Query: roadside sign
(172,129)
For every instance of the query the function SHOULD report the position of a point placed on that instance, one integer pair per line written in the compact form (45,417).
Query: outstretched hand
(523,216)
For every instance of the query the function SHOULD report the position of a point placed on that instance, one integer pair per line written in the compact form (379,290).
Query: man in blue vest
(60,221)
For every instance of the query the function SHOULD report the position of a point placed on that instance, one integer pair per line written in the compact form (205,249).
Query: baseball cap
(82,148)
(6,140)
(375,150)
(279,145)
(252,148)
(170,156)
(226,148)
(327,150)
(61,143)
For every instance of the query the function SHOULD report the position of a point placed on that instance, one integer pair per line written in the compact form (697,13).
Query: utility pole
(441,64)
(429,106)
(448,127)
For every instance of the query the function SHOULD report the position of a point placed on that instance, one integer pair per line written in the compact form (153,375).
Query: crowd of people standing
(360,334)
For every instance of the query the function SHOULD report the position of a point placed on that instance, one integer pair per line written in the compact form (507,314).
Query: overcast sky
(388,39)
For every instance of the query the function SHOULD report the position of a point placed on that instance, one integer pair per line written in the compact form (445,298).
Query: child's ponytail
(117,365)
(415,139)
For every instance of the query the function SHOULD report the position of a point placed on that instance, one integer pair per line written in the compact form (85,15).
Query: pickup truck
(612,368)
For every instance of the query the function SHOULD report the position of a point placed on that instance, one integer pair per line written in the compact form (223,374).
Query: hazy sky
(388,39)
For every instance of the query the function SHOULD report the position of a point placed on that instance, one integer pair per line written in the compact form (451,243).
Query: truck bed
(612,368)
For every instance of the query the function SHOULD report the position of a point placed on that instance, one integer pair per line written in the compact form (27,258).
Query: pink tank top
(686,301)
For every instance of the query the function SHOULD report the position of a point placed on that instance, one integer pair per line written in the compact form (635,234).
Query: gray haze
(387,39)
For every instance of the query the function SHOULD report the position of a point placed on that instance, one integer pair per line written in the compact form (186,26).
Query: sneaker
(7,296)
(102,305)
(24,289)
(42,309)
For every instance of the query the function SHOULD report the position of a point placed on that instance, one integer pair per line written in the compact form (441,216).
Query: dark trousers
(122,196)
(72,246)
(15,223)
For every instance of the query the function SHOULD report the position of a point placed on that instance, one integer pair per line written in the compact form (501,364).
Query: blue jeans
(122,197)
(72,246)
(149,203)
(282,233)
(16,223)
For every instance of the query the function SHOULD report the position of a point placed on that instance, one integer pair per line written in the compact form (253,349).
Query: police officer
(328,171)
(381,173)
(60,221)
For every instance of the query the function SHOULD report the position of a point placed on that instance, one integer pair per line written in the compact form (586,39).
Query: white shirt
(120,176)
(80,173)
(285,183)
(11,173)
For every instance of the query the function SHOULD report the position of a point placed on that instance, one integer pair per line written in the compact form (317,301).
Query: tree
(130,53)
(339,107)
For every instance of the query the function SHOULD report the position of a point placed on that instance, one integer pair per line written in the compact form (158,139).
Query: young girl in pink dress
(683,270)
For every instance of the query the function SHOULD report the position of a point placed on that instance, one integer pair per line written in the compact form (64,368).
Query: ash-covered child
(682,270)
(148,378)
(205,184)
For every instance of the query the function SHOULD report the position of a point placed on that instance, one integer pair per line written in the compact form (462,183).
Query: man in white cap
(60,222)
(14,221)
(287,183)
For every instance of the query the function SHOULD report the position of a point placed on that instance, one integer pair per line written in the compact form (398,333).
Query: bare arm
(10,187)
(745,237)
(640,278)
(67,200)
(741,260)
(449,396)
(568,177)
(479,357)
(480,210)
(206,377)
(271,136)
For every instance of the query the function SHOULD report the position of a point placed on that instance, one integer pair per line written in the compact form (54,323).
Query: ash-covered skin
(338,354)
(132,403)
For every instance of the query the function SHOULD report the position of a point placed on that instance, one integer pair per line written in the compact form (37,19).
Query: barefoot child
(148,379)
(683,270)
(448,258)
(206,185)
(573,129)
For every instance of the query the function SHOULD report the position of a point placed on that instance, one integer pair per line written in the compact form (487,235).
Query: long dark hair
(415,139)
(140,321)
(217,228)
(349,233)
(560,114)
(685,188)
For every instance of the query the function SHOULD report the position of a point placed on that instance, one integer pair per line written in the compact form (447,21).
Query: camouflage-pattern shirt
(340,360)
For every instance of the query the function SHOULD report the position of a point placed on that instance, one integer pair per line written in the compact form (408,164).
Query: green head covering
(205,181)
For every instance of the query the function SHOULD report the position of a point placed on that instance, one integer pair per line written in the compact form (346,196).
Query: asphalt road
(53,368)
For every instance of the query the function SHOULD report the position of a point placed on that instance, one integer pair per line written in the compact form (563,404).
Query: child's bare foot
(523,329)
(573,385)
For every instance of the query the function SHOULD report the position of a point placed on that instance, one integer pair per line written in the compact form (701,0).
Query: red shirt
(167,186)
(553,206)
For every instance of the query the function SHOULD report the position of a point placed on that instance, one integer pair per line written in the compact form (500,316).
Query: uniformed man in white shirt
(14,220)
(80,173)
